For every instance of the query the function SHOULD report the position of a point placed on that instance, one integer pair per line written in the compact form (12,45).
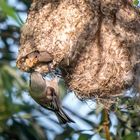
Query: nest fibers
(95,43)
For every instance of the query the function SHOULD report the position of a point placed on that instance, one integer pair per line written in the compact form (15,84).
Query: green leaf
(84,137)
(131,136)
(12,72)
(9,11)
(136,2)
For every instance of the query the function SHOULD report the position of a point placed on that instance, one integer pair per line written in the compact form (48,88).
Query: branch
(106,124)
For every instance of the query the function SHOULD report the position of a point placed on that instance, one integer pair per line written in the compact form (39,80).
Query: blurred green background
(22,119)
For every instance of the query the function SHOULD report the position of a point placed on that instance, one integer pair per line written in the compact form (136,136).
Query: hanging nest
(95,43)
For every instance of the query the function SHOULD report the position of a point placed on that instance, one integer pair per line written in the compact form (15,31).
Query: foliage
(135,2)
(21,119)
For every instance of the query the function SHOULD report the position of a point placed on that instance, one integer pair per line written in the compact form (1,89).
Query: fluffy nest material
(95,43)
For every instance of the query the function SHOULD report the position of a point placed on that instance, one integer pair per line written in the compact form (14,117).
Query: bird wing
(51,101)
(56,101)
(44,57)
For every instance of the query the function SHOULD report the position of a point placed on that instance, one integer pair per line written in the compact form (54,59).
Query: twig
(106,124)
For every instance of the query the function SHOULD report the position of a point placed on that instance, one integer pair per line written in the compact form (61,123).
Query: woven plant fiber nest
(95,43)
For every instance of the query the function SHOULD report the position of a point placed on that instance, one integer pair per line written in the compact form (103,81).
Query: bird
(46,93)
(37,57)
(57,81)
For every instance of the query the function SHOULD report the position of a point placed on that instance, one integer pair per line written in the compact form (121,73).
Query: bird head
(37,82)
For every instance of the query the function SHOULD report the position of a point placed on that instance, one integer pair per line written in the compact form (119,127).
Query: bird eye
(44,74)
(43,78)
(36,56)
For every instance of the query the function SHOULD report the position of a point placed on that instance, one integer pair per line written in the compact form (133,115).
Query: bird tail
(63,117)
